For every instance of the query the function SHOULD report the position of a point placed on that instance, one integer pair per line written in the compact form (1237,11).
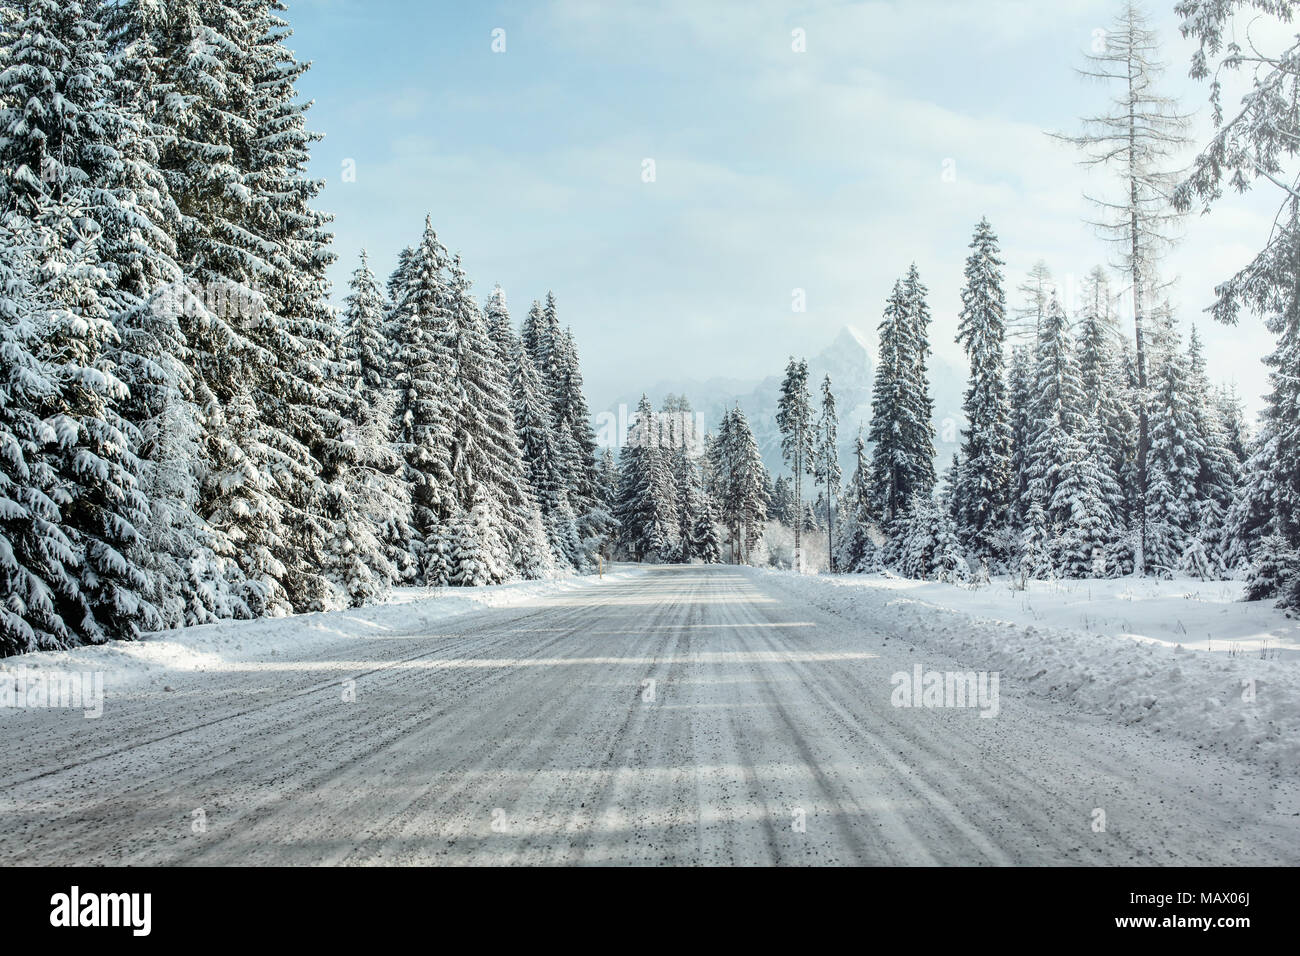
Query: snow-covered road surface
(532,735)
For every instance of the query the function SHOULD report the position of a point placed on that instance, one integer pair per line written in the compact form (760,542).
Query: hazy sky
(775,170)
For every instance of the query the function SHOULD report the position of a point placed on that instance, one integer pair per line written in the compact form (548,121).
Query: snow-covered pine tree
(826,464)
(477,545)
(811,525)
(1087,530)
(247,507)
(646,503)
(487,465)
(198,97)
(982,497)
(438,556)
(608,489)
(1110,428)
(1064,476)
(928,547)
(857,550)
(742,504)
(794,419)
(298,390)
(1020,392)
(398,278)
(1219,471)
(37,559)
(67,190)
(918,421)
(901,431)
(537,444)
(1139,138)
(364,337)
(193,565)
(680,442)
(701,538)
(422,370)
(169,403)
(595,522)
(217,87)
(371,548)
(885,435)
(537,333)
(1274,571)
(1174,466)
(782,501)
(535,433)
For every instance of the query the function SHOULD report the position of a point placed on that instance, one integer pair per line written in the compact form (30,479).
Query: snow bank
(1104,647)
(1200,615)
(164,654)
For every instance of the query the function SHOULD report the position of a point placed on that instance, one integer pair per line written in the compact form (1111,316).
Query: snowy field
(250,645)
(1182,657)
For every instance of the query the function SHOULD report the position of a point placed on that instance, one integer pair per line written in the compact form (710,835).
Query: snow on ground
(1154,653)
(1199,615)
(217,646)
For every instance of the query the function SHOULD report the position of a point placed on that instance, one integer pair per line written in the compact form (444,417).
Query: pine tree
(422,370)
(486,465)
(1110,428)
(297,391)
(1175,463)
(983,494)
(248,508)
(538,447)
(794,419)
(38,563)
(477,547)
(1219,468)
(68,192)
(595,523)
(742,504)
(365,337)
(902,432)
(826,466)
(1020,389)
(646,508)
(918,420)
(1140,138)
(782,502)
(1065,484)
(699,524)
(857,550)
(371,548)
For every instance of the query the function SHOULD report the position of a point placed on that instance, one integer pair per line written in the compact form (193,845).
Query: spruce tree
(857,551)
(794,419)
(1177,451)
(826,467)
(983,495)
(422,370)
(902,433)
(38,561)
(68,192)
(742,506)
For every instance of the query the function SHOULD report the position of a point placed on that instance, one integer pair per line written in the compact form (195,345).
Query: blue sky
(775,170)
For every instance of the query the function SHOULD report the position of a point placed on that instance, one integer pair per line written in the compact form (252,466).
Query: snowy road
(530,735)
